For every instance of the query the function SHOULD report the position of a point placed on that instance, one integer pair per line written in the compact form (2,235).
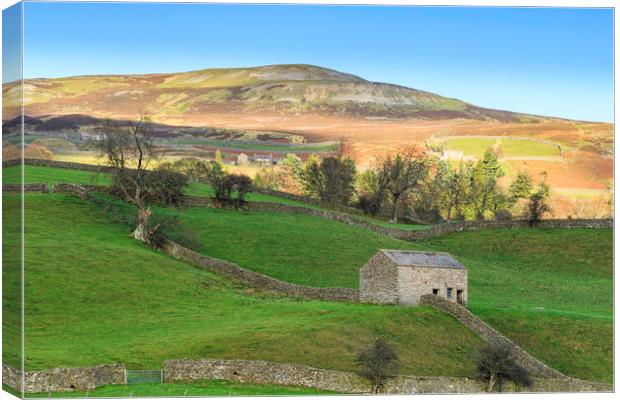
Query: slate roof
(422,259)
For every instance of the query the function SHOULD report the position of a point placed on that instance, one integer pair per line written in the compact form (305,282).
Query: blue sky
(538,60)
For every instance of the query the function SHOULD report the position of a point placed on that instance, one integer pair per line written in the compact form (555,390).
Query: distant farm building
(91,136)
(455,155)
(265,159)
(242,159)
(402,277)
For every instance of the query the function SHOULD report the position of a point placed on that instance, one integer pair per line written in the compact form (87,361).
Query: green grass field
(300,249)
(528,148)
(476,146)
(219,388)
(35,174)
(549,290)
(95,296)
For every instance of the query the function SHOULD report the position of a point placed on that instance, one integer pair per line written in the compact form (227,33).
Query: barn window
(449,292)
(435,291)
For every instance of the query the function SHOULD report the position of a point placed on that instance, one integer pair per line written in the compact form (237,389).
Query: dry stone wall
(264,372)
(27,187)
(63,379)
(490,335)
(257,280)
(433,231)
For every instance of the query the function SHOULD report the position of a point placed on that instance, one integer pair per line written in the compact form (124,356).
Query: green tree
(218,157)
(331,180)
(537,205)
(405,173)
(521,187)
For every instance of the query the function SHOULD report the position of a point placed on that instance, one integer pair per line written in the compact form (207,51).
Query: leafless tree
(497,363)
(129,151)
(378,363)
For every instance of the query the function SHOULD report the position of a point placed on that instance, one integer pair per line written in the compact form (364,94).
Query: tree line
(413,185)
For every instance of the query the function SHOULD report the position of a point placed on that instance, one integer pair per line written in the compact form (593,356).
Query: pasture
(549,290)
(96,296)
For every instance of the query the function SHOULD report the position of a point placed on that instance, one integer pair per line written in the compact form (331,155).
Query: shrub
(497,363)
(503,215)
(165,227)
(378,363)
(226,185)
(161,186)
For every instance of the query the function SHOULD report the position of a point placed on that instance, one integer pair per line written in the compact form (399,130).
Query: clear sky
(537,60)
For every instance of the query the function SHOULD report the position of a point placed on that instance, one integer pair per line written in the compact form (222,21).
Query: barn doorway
(459,297)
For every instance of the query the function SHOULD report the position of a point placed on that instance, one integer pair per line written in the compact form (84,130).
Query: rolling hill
(305,103)
(274,88)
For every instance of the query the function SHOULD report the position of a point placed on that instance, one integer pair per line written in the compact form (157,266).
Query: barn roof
(422,259)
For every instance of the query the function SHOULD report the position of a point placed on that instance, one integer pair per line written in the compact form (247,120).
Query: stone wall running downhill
(490,335)
(257,280)
(264,372)
(63,379)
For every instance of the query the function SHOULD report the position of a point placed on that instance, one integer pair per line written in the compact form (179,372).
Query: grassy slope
(520,280)
(299,249)
(95,296)
(550,290)
(197,388)
(51,175)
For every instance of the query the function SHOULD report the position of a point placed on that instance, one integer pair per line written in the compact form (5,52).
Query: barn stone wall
(379,281)
(414,282)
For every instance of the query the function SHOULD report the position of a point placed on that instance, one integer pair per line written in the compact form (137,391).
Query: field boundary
(402,234)
(490,336)
(257,280)
(266,372)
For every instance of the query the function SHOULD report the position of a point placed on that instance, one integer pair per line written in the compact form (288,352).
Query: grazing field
(220,388)
(527,148)
(96,296)
(509,147)
(550,290)
(470,146)
(36,174)
(301,249)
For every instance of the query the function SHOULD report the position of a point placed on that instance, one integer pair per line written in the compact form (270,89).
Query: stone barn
(402,277)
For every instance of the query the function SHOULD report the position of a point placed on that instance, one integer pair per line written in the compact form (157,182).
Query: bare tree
(378,363)
(497,363)
(129,151)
